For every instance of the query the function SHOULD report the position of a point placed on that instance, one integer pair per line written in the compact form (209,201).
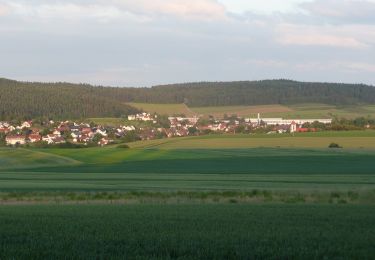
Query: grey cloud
(342,11)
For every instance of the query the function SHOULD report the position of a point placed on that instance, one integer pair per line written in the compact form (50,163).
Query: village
(146,126)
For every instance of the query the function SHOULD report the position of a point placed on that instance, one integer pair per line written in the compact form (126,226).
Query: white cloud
(346,11)
(209,10)
(331,36)
(267,63)
(71,12)
(4,10)
(359,66)
(192,9)
(263,6)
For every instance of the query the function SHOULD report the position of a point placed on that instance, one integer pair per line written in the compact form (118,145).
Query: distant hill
(65,100)
(284,92)
(23,100)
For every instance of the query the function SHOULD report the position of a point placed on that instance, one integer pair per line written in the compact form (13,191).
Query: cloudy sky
(148,42)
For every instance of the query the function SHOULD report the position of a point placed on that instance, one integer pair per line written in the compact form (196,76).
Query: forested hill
(21,100)
(249,93)
(65,100)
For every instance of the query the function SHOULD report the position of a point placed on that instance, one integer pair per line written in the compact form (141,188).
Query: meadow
(273,110)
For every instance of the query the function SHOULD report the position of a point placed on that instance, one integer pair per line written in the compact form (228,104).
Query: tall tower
(258,118)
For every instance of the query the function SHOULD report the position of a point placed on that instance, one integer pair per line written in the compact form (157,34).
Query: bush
(334,145)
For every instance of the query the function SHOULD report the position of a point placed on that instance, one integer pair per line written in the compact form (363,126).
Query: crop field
(164,109)
(209,197)
(167,168)
(243,111)
(228,231)
(326,111)
(347,139)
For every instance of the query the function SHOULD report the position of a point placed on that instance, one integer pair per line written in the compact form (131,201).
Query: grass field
(285,111)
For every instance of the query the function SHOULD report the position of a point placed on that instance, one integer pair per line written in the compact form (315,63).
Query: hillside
(65,100)
(23,100)
(262,93)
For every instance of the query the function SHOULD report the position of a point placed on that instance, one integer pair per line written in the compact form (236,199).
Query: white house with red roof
(34,138)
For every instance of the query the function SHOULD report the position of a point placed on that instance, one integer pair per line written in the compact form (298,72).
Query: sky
(149,42)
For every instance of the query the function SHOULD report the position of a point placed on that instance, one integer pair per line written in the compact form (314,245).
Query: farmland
(360,140)
(237,163)
(230,231)
(164,109)
(209,197)
(273,110)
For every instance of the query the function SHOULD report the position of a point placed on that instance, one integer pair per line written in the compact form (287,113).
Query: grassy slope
(23,158)
(187,232)
(169,109)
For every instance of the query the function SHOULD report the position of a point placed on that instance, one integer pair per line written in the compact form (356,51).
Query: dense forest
(247,93)
(22,100)
(65,100)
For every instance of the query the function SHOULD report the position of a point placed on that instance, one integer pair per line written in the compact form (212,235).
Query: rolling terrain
(207,163)
(197,197)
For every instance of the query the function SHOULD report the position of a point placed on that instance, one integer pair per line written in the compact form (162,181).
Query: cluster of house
(84,133)
(77,133)
(179,126)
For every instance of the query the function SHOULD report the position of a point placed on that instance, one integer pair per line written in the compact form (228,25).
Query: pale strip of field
(244,111)
(251,142)
(325,111)
(164,109)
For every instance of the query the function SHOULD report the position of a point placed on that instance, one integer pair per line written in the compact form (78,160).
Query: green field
(164,109)
(243,111)
(187,232)
(209,197)
(360,140)
(236,163)
(285,111)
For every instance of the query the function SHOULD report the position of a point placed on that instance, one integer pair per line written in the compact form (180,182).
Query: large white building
(280,121)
